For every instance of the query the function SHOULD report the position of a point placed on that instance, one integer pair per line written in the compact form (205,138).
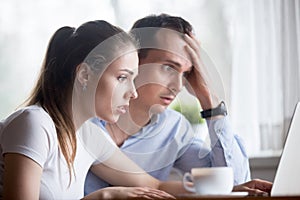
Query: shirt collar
(154,119)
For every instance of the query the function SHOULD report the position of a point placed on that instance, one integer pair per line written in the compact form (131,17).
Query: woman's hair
(68,48)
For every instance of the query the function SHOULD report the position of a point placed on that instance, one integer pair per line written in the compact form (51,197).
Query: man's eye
(167,68)
(122,78)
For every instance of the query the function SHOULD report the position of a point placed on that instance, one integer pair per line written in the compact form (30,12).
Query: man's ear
(83,73)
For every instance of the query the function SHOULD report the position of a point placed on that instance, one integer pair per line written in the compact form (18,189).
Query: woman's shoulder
(35,112)
(28,114)
(28,118)
(29,131)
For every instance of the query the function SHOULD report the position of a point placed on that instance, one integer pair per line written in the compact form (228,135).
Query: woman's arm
(128,192)
(119,170)
(22,177)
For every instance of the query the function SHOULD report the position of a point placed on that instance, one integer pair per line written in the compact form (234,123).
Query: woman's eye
(122,78)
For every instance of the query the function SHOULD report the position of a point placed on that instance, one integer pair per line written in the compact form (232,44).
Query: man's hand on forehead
(171,41)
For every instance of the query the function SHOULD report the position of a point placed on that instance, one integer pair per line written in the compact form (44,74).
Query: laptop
(287,178)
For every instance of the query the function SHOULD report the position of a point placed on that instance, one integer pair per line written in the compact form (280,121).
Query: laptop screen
(287,178)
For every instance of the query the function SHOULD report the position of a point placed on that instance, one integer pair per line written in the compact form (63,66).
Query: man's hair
(160,21)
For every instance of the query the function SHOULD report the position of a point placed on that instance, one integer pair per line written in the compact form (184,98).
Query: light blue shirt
(170,141)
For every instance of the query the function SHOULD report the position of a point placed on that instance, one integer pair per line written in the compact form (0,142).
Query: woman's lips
(122,109)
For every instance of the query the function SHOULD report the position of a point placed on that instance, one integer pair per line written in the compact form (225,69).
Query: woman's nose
(134,94)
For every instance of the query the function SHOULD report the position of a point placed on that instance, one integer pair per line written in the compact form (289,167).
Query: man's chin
(157,108)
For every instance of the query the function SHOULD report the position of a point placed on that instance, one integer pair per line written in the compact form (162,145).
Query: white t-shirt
(31,132)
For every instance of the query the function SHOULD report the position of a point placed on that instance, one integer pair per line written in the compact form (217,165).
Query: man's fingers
(198,65)
(193,55)
(263,185)
(193,43)
(255,186)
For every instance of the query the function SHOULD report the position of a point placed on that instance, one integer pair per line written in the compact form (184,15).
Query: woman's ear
(83,73)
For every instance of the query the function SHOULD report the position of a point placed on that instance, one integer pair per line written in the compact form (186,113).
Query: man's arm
(228,147)
(225,149)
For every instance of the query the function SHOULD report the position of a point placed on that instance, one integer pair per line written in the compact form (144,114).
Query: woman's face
(115,87)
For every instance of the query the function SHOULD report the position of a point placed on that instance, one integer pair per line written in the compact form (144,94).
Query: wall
(264,167)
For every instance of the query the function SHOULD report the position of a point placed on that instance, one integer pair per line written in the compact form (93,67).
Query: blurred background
(254,44)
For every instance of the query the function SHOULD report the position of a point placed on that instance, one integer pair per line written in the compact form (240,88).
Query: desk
(188,197)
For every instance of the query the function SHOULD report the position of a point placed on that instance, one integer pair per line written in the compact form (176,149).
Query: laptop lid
(287,178)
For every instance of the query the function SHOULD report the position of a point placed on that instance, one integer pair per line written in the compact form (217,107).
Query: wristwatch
(219,110)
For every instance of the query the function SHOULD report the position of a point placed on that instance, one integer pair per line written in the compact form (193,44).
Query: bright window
(254,44)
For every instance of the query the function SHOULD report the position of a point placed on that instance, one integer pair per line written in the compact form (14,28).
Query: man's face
(162,73)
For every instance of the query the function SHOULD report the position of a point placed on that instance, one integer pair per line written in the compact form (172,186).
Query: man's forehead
(171,41)
(162,56)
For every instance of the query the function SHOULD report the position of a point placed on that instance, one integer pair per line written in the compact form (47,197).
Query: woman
(87,72)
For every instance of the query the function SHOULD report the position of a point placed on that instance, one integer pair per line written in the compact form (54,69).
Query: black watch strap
(219,110)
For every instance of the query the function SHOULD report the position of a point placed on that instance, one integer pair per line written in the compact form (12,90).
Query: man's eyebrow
(174,63)
(128,71)
(177,64)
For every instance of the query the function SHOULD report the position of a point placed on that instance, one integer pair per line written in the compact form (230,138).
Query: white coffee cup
(209,181)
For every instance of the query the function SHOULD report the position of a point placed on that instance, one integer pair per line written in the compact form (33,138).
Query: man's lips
(167,99)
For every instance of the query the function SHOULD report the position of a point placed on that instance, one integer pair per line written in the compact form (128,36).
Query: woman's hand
(254,187)
(129,193)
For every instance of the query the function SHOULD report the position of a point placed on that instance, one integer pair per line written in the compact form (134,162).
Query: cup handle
(186,177)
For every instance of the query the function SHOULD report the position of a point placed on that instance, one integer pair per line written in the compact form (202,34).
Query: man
(159,139)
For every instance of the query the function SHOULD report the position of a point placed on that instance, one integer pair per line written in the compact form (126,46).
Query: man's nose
(176,83)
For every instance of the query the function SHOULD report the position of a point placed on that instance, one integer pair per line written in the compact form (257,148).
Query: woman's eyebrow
(128,71)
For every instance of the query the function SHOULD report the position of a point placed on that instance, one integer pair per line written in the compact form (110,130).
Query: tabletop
(195,197)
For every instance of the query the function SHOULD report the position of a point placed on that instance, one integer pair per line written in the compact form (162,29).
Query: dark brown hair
(158,21)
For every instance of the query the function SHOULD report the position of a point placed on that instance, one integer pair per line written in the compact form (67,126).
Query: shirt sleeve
(27,134)
(226,149)
(96,142)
